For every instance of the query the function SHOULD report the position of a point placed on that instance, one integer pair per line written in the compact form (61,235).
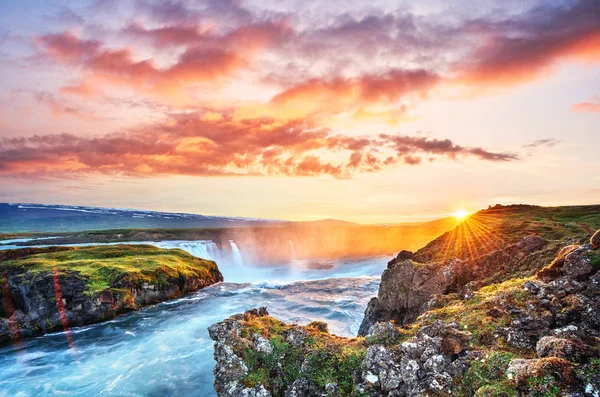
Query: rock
(320,326)
(571,262)
(258,391)
(379,368)
(382,334)
(229,370)
(532,287)
(531,243)
(595,240)
(45,302)
(405,289)
(520,371)
(253,313)
(303,388)
(454,341)
(577,264)
(296,336)
(404,255)
(569,349)
(263,345)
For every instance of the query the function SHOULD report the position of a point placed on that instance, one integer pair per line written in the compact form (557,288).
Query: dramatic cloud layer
(200,145)
(281,87)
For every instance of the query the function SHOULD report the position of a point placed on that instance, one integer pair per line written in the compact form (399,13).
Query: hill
(28,218)
(504,305)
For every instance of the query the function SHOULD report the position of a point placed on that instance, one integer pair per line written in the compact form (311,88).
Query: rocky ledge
(49,289)
(530,336)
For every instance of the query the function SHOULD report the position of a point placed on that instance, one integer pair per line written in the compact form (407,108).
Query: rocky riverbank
(519,320)
(49,289)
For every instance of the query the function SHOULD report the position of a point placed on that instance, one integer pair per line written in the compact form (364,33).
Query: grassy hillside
(517,331)
(489,230)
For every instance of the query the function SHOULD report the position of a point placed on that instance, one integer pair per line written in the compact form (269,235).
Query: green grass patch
(102,265)
(487,377)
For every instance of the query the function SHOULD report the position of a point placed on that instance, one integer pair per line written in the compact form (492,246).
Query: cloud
(247,39)
(591,106)
(520,49)
(59,107)
(82,89)
(407,146)
(120,67)
(193,144)
(338,94)
(550,142)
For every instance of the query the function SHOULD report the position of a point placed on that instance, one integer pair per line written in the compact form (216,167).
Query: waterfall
(238,260)
(292,251)
(205,249)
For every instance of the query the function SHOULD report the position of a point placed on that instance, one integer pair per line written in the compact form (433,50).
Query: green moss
(101,265)
(594,259)
(322,358)
(544,386)
(489,374)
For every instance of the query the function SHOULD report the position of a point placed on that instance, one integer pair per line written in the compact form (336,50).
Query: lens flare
(460,214)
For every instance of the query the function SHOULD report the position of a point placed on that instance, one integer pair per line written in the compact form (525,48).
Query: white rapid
(165,350)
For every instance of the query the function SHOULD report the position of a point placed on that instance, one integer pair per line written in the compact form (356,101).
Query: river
(165,350)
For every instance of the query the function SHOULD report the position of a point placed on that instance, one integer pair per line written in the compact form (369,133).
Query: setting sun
(460,214)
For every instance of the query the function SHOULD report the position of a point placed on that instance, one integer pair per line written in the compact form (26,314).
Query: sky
(390,111)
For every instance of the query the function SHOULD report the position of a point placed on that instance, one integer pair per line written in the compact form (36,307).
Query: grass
(322,359)
(101,265)
(498,227)
(487,377)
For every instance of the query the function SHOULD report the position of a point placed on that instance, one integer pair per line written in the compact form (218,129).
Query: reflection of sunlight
(62,311)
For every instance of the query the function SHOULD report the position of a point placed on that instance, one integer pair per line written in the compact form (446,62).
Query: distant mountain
(19,217)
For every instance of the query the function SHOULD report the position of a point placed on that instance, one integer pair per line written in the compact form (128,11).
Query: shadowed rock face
(405,289)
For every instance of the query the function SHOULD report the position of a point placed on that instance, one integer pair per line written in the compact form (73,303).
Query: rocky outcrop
(37,301)
(426,363)
(408,286)
(529,338)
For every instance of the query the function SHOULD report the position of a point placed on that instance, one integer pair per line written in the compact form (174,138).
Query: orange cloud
(197,64)
(191,144)
(517,51)
(338,94)
(61,108)
(82,89)
(592,106)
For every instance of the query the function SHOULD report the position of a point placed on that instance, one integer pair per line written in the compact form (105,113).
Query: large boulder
(572,262)
(521,371)
(383,334)
(569,349)
(405,289)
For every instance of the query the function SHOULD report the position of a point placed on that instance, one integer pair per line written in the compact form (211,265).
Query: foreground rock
(257,355)
(48,289)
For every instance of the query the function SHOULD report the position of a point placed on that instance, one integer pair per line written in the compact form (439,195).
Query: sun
(460,214)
